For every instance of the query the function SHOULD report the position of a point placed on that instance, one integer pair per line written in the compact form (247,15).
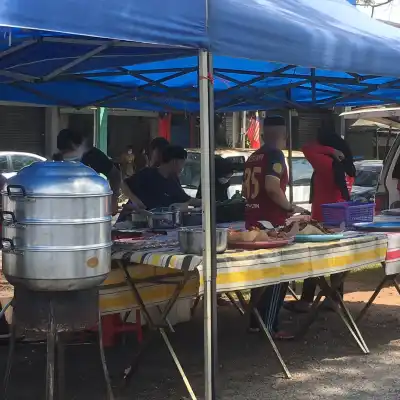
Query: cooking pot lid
(53,178)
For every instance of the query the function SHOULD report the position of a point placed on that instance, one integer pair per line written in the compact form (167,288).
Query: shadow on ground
(326,364)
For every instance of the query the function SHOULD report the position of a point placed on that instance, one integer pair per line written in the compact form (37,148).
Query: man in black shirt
(73,147)
(160,187)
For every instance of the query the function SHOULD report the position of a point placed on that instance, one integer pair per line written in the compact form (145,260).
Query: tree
(373,4)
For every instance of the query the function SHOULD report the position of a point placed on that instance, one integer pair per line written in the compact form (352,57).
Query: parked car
(302,172)
(12,161)
(388,194)
(366,181)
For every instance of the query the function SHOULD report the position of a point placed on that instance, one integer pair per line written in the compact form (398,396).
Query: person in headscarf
(223,174)
(128,162)
(332,180)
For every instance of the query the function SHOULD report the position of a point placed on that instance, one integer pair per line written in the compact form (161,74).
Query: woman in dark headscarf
(331,182)
(223,173)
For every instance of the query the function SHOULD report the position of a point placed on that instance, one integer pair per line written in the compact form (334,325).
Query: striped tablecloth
(238,270)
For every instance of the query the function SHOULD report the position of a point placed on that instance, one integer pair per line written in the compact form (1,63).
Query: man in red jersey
(264,186)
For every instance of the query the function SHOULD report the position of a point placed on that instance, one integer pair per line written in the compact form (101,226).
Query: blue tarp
(239,84)
(169,22)
(325,35)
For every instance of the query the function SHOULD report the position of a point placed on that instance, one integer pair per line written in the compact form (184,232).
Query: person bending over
(158,187)
(333,177)
(72,146)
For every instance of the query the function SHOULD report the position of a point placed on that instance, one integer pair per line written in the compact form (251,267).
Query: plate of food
(256,239)
(313,231)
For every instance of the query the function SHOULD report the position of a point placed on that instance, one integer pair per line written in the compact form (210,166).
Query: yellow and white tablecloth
(237,269)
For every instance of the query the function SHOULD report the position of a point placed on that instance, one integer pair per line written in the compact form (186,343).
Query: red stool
(112,325)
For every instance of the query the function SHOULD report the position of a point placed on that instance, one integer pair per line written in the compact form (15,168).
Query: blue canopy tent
(329,35)
(238,84)
(317,35)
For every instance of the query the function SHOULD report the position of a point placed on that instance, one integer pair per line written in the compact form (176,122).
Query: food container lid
(57,179)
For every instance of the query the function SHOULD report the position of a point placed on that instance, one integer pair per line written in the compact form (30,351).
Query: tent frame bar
(207,142)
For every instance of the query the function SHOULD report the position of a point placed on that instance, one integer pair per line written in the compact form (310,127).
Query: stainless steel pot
(191,240)
(139,220)
(189,218)
(162,218)
(56,227)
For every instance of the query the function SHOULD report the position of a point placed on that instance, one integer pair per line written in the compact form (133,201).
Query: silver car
(13,161)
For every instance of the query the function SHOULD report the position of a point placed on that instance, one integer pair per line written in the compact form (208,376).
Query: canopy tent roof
(329,34)
(321,36)
(238,83)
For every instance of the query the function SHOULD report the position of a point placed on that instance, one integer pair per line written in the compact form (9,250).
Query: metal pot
(162,218)
(56,227)
(189,218)
(139,220)
(191,240)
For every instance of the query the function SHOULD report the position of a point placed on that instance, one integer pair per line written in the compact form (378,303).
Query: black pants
(269,305)
(3,325)
(310,285)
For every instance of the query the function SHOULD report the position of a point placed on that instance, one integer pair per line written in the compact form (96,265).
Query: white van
(301,169)
(388,195)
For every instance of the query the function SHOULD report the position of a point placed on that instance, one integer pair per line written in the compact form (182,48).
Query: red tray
(260,245)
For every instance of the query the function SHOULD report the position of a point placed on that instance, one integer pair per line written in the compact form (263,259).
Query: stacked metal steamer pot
(56,245)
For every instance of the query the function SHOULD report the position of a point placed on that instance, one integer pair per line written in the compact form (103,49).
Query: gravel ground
(326,364)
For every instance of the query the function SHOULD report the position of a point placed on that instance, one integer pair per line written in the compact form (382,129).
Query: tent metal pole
(96,127)
(243,136)
(209,224)
(290,148)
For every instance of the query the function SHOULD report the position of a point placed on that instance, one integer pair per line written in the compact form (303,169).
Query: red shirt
(325,189)
(259,207)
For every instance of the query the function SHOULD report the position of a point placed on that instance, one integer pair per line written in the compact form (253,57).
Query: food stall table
(391,266)
(237,270)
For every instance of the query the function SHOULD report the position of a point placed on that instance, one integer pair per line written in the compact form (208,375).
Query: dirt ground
(326,364)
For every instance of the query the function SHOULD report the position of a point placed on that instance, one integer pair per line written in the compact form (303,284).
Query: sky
(389,12)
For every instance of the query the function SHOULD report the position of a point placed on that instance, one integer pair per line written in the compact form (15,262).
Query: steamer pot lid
(53,178)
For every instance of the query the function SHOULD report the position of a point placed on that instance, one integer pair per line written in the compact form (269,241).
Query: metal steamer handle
(16,191)
(7,244)
(7,220)
(10,222)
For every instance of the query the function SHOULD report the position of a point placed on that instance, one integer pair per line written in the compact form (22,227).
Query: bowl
(191,240)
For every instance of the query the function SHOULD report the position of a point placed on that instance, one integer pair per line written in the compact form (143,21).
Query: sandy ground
(326,364)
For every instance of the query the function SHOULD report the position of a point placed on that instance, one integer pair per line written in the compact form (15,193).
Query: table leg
(373,297)
(110,394)
(170,327)
(153,328)
(178,364)
(235,304)
(311,316)
(396,285)
(195,305)
(352,326)
(332,293)
(251,307)
(11,349)
(60,367)
(50,366)
(292,292)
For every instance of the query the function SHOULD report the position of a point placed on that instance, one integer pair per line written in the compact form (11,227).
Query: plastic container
(348,213)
